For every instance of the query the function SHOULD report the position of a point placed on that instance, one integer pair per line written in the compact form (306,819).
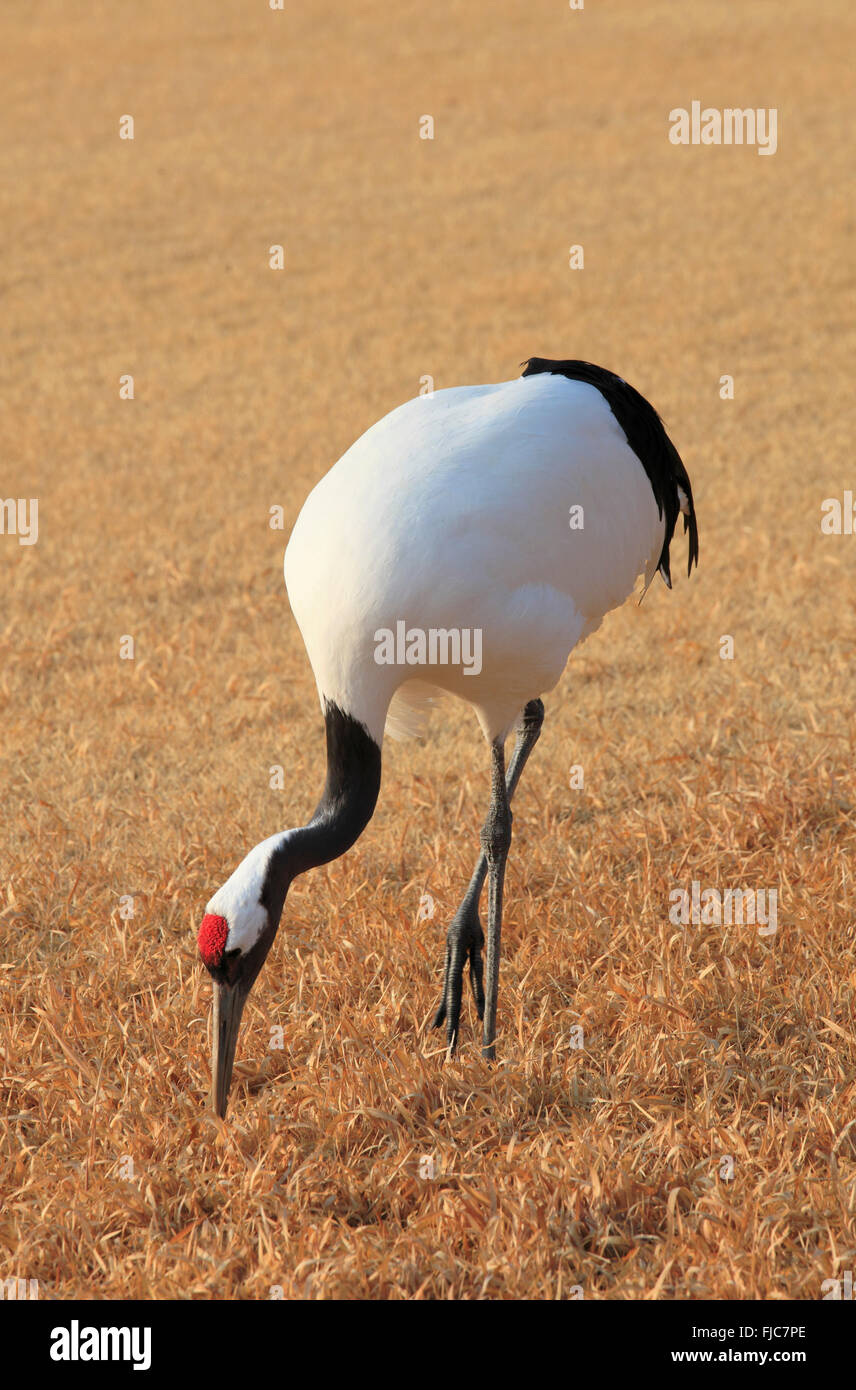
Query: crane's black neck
(345,809)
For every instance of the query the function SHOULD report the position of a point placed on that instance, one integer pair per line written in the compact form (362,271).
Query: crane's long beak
(229,1001)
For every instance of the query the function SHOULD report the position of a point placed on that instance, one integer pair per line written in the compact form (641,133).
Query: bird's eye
(233,954)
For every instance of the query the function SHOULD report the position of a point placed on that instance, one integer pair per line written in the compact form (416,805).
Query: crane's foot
(464,942)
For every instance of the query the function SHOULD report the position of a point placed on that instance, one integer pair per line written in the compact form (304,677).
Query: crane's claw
(464,942)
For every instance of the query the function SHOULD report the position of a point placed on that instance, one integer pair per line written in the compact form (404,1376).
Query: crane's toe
(464,943)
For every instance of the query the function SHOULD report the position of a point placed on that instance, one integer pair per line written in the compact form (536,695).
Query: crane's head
(237,931)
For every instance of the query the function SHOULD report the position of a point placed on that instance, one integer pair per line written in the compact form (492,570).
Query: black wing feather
(649,441)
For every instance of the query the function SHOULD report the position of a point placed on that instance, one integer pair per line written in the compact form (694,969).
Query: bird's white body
(465,544)
(454,513)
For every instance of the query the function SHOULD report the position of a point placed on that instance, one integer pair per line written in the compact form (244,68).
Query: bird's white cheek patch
(246,931)
(238,902)
(239,898)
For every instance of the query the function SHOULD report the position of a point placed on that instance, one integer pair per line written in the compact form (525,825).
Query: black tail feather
(647,437)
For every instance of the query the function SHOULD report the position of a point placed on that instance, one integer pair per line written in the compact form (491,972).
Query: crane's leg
(465,939)
(496,842)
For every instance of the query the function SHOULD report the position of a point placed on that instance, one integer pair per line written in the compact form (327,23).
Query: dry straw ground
(598,1167)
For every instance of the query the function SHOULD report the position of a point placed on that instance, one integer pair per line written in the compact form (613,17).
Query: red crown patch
(212,939)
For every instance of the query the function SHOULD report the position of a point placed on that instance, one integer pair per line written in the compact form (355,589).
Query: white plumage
(454,512)
(464,545)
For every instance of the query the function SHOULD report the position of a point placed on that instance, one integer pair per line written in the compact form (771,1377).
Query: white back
(453,512)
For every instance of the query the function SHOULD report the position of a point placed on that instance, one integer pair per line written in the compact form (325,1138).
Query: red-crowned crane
(465,544)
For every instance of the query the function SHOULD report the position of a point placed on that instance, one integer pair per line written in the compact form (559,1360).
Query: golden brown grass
(596,1167)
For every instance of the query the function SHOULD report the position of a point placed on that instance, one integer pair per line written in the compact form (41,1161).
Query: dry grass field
(602,1167)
